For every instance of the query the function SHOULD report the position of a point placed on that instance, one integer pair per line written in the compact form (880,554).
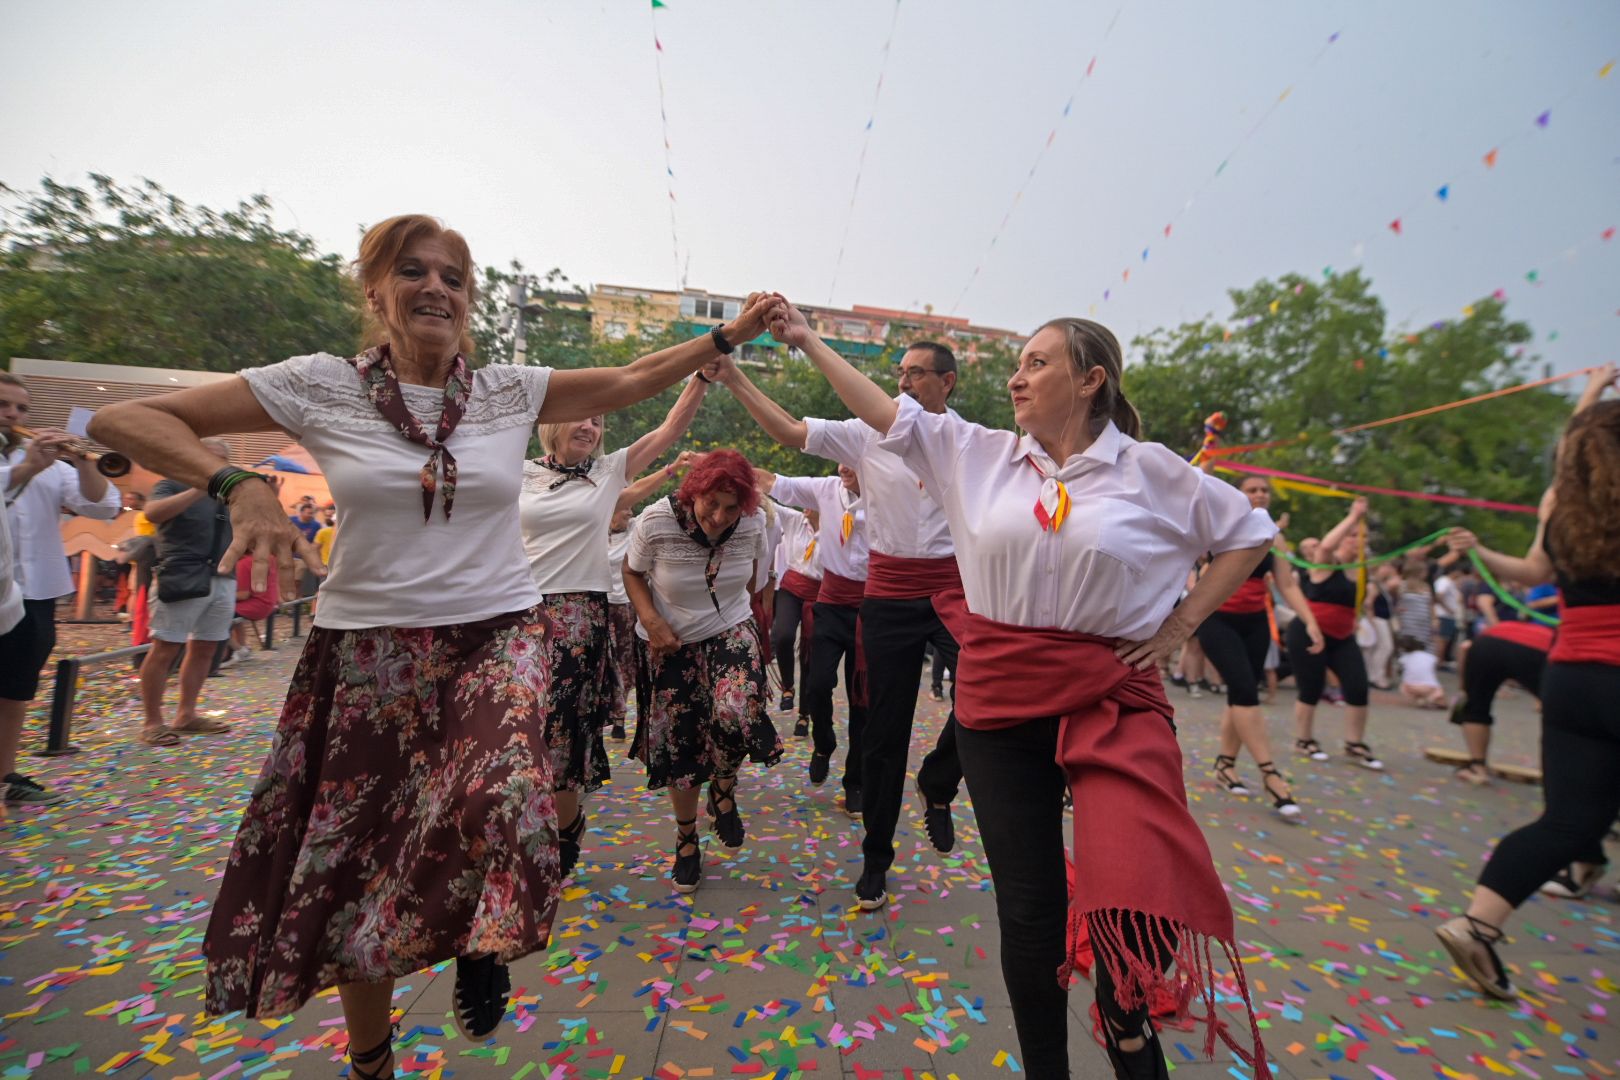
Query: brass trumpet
(111,464)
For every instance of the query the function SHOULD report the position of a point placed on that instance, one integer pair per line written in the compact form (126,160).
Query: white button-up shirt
(797,537)
(1139,518)
(904,521)
(11,604)
(37,525)
(832,500)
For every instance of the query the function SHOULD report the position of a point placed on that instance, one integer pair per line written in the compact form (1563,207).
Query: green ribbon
(1485,574)
(1374,561)
(1506,597)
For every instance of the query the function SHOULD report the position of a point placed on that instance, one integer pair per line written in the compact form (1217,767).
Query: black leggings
(1017,788)
(1580,770)
(1236,644)
(1491,662)
(1341,655)
(784,629)
(833,640)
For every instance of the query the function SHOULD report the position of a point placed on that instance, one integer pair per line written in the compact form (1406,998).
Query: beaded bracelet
(223,482)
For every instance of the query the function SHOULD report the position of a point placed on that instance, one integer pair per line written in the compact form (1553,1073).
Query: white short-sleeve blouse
(389,567)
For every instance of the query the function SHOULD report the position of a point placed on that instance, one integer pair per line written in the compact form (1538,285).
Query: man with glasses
(911,559)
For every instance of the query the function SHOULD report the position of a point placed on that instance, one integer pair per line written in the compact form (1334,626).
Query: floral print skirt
(403,817)
(581,690)
(622,658)
(702,709)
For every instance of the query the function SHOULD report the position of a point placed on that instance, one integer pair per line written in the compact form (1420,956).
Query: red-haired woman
(701,704)
(1578,546)
(404,816)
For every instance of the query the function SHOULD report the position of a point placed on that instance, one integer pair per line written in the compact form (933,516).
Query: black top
(1591,592)
(1336,589)
(1264,568)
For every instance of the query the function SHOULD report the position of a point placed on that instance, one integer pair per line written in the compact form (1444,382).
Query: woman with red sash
(1332,599)
(797,584)
(842,552)
(1236,638)
(1577,545)
(1062,618)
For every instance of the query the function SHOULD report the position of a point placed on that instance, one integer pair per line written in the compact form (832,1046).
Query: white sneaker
(244,653)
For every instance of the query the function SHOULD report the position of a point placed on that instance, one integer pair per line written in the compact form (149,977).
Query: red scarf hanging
(376,370)
(1141,862)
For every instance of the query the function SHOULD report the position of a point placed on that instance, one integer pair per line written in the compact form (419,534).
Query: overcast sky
(534,128)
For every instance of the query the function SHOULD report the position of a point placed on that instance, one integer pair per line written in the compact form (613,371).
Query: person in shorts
(193,534)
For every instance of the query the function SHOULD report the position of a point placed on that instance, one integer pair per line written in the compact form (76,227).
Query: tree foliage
(133,275)
(1301,357)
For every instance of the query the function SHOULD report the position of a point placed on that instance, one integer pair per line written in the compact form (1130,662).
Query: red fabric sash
(1534,635)
(890,577)
(1141,863)
(1247,598)
(1588,635)
(1336,620)
(840,590)
(805,588)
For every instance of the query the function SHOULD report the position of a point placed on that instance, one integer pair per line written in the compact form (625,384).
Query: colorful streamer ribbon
(1214,428)
(1244,448)
(1450,500)
(1506,597)
(1364,562)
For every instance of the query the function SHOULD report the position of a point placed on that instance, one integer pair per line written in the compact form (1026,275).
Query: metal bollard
(62,698)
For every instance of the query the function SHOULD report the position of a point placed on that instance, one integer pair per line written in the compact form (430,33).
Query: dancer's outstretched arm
(651,446)
(865,398)
(1330,542)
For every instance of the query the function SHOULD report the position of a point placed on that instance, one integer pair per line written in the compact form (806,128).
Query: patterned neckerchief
(582,471)
(689,524)
(376,370)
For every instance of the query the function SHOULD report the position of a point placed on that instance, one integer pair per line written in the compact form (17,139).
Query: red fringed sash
(1588,635)
(1142,868)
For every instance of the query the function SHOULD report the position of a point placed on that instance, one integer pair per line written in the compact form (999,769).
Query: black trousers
(1580,778)
(1017,788)
(784,629)
(1341,654)
(833,642)
(895,633)
(1491,662)
(1236,644)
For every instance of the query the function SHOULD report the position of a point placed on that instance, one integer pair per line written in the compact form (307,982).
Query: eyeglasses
(915,373)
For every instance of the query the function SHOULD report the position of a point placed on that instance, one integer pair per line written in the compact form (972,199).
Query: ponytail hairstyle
(1586,522)
(1091,344)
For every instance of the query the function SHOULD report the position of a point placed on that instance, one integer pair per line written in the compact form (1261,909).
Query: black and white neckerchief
(689,525)
(582,471)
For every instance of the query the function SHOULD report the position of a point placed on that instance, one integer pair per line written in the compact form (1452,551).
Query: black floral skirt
(403,817)
(581,691)
(622,658)
(702,709)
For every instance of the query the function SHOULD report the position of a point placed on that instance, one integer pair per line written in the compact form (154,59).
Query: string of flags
(1040,156)
(866,141)
(1226,159)
(663,116)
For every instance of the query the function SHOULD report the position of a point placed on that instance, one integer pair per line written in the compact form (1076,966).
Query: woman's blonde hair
(1584,530)
(552,435)
(1093,345)
(380,249)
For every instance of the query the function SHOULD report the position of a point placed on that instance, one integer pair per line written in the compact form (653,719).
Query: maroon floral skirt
(701,710)
(622,658)
(581,690)
(403,817)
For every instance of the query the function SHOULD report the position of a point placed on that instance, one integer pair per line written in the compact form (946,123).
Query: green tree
(133,275)
(1300,357)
